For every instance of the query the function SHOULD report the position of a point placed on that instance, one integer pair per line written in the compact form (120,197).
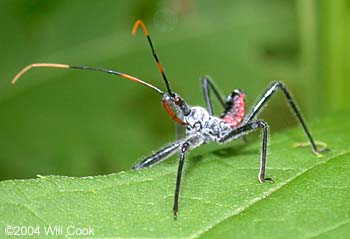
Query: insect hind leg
(266,96)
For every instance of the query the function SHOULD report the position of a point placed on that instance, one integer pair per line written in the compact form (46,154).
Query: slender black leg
(184,149)
(246,129)
(273,88)
(207,85)
(161,155)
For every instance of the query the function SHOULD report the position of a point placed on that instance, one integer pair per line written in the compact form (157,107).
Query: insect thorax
(210,127)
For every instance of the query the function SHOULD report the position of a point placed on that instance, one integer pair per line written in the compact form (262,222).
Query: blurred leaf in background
(78,123)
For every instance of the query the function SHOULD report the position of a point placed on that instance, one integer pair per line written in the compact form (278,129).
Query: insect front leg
(266,96)
(246,129)
(159,156)
(183,151)
(189,143)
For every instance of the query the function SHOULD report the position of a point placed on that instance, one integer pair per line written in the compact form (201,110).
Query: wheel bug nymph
(201,125)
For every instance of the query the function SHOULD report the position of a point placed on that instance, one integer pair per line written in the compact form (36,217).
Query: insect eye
(177,101)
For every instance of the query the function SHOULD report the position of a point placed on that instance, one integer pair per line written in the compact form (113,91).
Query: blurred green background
(81,123)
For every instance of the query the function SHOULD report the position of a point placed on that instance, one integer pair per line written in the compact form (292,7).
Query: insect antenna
(65,66)
(160,67)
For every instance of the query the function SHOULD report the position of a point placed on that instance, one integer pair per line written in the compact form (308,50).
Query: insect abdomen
(234,108)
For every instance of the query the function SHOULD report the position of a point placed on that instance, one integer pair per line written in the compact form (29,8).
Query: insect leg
(246,129)
(207,85)
(184,149)
(161,155)
(272,89)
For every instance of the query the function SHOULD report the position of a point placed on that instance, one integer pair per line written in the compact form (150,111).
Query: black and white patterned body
(209,127)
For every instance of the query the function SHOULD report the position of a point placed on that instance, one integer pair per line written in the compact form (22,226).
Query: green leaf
(220,195)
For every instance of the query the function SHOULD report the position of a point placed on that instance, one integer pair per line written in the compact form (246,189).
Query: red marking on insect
(235,115)
(171,113)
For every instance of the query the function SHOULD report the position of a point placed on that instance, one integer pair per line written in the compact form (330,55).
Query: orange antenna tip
(136,25)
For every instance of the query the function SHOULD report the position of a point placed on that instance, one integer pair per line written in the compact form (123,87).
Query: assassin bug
(200,123)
